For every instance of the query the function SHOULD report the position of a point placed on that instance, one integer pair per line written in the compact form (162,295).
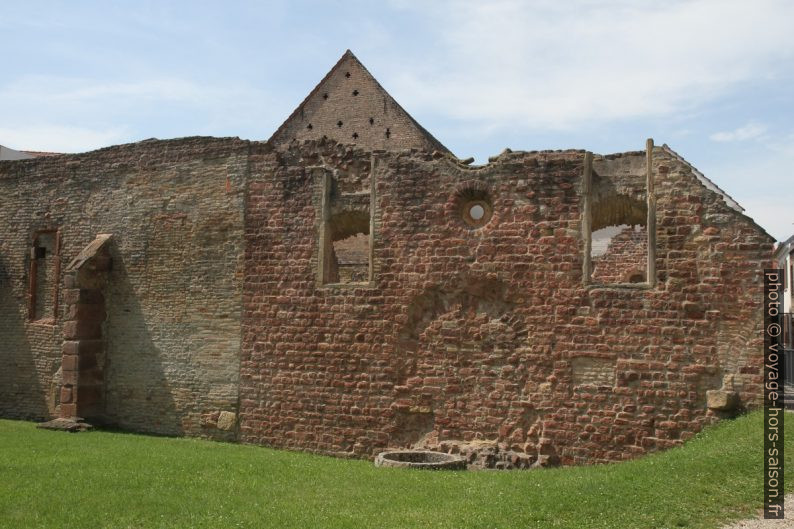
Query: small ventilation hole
(325,96)
(355,92)
(388,133)
(309,126)
(339,124)
(355,135)
(371,121)
(347,74)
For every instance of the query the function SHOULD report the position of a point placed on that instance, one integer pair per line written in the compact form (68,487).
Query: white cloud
(747,132)
(57,138)
(773,213)
(71,93)
(760,181)
(67,114)
(547,64)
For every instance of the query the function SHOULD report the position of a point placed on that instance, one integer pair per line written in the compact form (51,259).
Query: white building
(11,154)
(784,258)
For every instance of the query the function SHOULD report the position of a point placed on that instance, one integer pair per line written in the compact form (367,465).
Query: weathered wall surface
(625,258)
(471,334)
(487,335)
(175,209)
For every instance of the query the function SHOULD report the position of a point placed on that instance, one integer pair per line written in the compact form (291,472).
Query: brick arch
(459,365)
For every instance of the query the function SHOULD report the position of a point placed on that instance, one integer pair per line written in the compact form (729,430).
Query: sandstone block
(68,410)
(720,400)
(226,420)
(73,330)
(69,363)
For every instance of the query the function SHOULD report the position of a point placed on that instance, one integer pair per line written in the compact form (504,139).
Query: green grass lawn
(102,479)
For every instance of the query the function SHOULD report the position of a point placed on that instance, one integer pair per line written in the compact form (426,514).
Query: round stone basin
(426,459)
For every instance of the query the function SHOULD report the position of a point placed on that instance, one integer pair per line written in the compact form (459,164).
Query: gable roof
(374,120)
(784,248)
(11,154)
(711,186)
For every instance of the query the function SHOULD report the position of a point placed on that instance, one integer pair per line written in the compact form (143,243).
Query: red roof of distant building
(42,154)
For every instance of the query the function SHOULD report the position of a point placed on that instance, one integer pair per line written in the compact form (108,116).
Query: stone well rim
(402,458)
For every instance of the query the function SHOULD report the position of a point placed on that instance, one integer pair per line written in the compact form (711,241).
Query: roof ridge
(432,138)
(313,91)
(707,182)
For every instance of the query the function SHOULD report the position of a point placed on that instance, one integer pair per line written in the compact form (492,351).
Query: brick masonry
(487,335)
(221,310)
(172,297)
(625,258)
(350,106)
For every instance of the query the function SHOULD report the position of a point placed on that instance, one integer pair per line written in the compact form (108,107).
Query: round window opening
(477,212)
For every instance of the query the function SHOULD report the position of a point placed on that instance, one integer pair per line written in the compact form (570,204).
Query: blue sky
(711,78)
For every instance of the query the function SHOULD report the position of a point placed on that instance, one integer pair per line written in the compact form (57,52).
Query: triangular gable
(707,183)
(350,106)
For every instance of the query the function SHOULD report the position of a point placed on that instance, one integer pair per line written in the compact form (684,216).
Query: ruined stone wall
(484,335)
(468,329)
(172,333)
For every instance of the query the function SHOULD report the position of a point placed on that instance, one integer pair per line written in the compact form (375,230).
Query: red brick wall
(625,259)
(488,335)
(465,337)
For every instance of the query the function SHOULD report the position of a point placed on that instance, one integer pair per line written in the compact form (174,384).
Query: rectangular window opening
(345,251)
(617,212)
(350,258)
(44,271)
(347,248)
(619,254)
